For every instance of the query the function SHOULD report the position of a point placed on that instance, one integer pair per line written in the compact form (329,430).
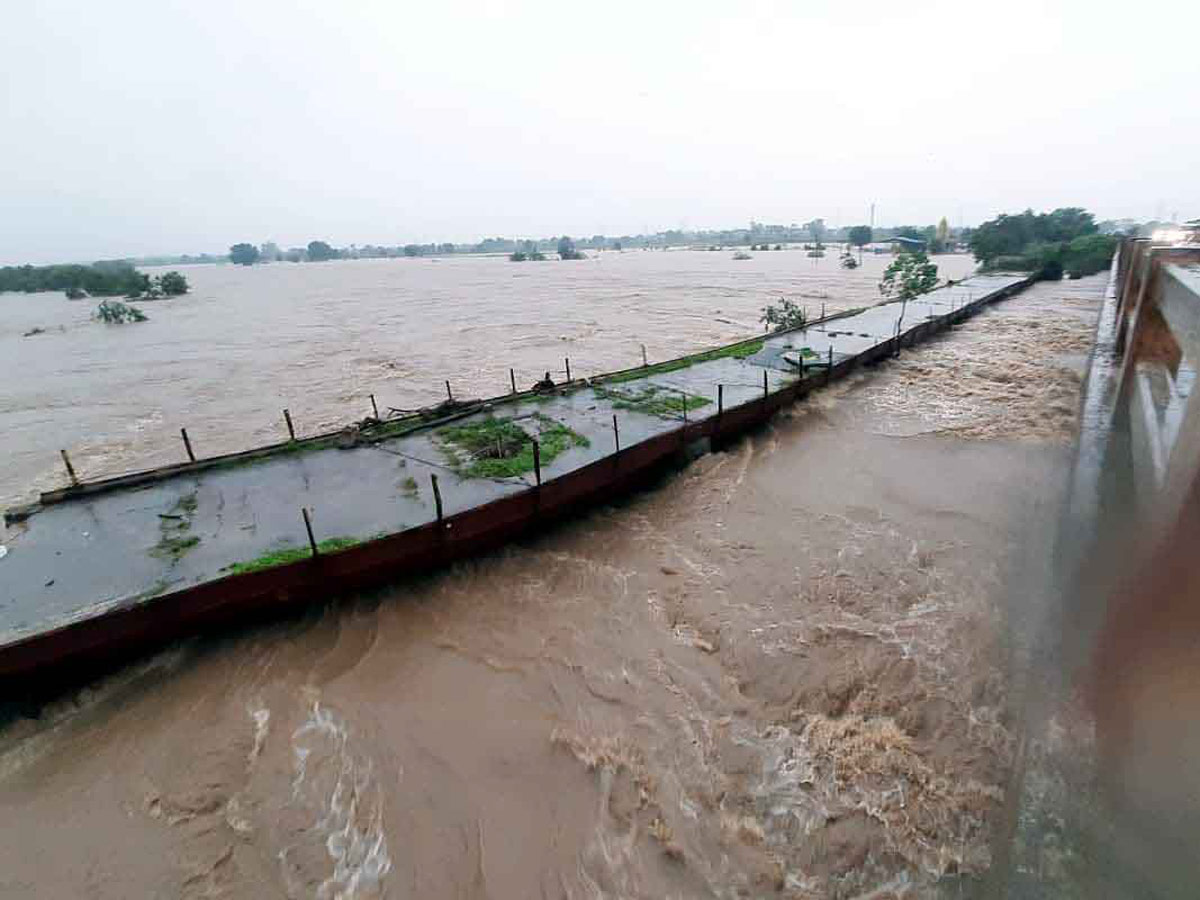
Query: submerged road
(88,555)
(780,674)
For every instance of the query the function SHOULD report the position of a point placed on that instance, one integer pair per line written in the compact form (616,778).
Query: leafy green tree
(114,312)
(1005,235)
(566,249)
(172,284)
(784,315)
(1066,224)
(909,276)
(142,286)
(319,251)
(527,250)
(243,254)
(817,229)
(1088,254)
(1013,235)
(860,235)
(112,278)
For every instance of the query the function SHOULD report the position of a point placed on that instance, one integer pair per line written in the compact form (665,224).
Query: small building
(900,244)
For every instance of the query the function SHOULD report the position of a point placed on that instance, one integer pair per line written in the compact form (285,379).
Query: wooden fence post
(312,541)
(437,496)
(70,468)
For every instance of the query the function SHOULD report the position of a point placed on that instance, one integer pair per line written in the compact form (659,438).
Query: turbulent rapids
(783,669)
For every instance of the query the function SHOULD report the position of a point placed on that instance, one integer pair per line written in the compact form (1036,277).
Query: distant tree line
(814,233)
(1064,240)
(107,278)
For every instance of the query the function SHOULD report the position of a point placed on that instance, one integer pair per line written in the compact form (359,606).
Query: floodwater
(319,339)
(779,673)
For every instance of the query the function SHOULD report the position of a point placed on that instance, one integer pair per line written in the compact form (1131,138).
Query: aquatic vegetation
(502,448)
(174,542)
(785,316)
(410,487)
(286,555)
(653,399)
(114,312)
(173,548)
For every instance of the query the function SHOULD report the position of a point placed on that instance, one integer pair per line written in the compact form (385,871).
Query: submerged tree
(319,251)
(909,276)
(566,249)
(527,250)
(114,312)
(172,284)
(860,235)
(243,254)
(817,229)
(784,316)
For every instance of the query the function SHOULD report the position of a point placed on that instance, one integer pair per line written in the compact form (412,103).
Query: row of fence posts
(291,428)
(513,381)
(537,448)
(512,375)
(537,456)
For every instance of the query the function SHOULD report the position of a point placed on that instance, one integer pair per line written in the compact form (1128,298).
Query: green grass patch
(174,541)
(287,555)
(502,448)
(806,352)
(734,351)
(653,399)
(410,487)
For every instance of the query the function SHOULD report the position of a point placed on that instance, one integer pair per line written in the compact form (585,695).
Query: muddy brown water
(779,673)
(319,339)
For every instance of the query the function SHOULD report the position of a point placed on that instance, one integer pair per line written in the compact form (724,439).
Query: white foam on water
(341,785)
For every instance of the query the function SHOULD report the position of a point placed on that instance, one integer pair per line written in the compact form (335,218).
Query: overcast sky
(129,128)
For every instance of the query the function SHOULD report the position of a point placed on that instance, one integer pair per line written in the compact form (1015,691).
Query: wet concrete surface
(78,558)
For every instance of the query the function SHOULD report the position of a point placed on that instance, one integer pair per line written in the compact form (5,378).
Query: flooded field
(780,673)
(320,338)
